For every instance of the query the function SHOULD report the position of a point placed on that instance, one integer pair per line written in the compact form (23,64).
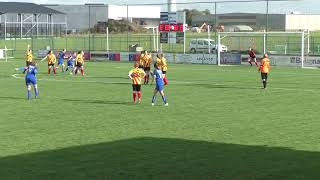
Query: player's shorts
(31,80)
(252,58)
(69,63)
(264,76)
(164,72)
(28,63)
(136,87)
(50,64)
(159,85)
(146,68)
(60,62)
(79,64)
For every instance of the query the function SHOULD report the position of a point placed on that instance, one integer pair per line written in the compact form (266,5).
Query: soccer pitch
(219,125)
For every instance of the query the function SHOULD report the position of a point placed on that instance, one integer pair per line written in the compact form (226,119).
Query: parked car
(202,45)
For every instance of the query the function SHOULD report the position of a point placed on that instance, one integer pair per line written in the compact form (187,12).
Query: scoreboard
(172,27)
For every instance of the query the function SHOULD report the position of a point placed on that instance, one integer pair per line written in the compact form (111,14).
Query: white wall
(296,22)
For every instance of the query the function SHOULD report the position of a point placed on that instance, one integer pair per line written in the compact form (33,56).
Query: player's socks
(139,95)
(134,97)
(250,63)
(164,99)
(36,92)
(82,72)
(49,71)
(154,99)
(256,64)
(264,84)
(54,71)
(165,80)
(29,95)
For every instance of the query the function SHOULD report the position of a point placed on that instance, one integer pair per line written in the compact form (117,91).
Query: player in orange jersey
(162,63)
(147,60)
(136,75)
(264,69)
(51,61)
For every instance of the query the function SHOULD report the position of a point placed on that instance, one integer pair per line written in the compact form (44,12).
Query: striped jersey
(136,75)
(29,57)
(79,58)
(265,65)
(162,62)
(52,58)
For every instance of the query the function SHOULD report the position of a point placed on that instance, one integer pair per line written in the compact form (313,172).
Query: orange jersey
(79,59)
(162,63)
(136,75)
(142,59)
(51,58)
(29,57)
(147,61)
(265,65)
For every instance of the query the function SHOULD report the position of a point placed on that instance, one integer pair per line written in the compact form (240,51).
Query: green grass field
(219,125)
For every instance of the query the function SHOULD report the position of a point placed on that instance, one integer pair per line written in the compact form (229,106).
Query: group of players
(75,64)
(264,68)
(142,70)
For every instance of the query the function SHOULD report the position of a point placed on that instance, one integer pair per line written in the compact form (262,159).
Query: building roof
(25,8)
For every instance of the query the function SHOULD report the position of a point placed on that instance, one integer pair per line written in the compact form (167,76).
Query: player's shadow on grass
(13,98)
(163,159)
(92,101)
(220,86)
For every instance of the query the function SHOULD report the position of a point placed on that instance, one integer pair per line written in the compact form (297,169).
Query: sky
(297,6)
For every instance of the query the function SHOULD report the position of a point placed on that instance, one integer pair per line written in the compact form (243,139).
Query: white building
(81,17)
(283,22)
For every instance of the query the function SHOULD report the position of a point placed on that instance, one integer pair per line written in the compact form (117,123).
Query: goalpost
(4,54)
(283,48)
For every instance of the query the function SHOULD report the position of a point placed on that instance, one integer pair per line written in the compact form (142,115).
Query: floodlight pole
(128,27)
(5,26)
(108,39)
(209,46)
(89,28)
(264,41)
(302,49)
(218,50)
(267,24)
(157,38)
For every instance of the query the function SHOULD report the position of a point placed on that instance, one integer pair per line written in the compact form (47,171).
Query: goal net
(283,48)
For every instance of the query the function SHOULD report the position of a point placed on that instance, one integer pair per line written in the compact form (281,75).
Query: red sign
(171,27)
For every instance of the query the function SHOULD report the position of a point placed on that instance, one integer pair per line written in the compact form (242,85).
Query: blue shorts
(159,86)
(60,62)
(31,80)
(69,63)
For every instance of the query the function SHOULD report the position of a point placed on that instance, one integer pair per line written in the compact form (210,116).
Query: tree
(194,12)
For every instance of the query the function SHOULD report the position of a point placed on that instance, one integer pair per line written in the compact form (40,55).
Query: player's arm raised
(44,58)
